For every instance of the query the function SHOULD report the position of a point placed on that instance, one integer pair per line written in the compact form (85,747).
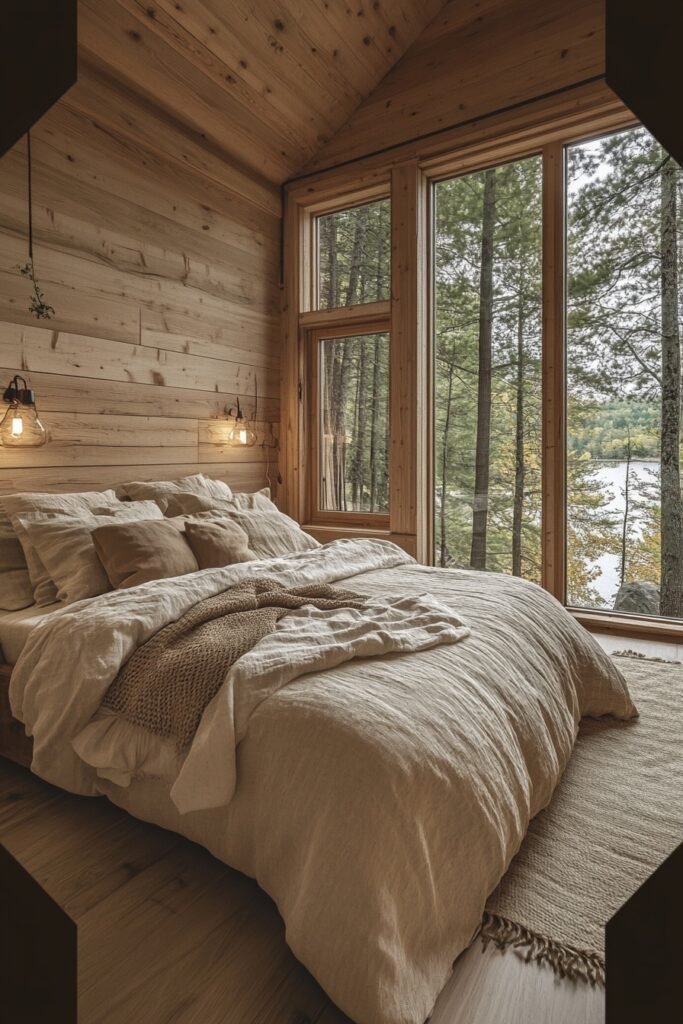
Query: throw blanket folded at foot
(181,704)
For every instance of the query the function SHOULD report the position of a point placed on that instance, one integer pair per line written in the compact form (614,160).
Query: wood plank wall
(476,57)
(162,265)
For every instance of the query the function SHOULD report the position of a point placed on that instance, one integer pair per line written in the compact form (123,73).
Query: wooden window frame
(406,174)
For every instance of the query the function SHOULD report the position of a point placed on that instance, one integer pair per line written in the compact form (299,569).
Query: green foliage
(38,306)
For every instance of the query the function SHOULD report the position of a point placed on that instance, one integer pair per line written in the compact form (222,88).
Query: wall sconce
(240,433)
(20,427)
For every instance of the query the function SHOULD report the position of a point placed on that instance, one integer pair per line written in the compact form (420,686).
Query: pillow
(182,503)
(219,543)
(255,500)
(154,490)
(137,552)
(16,505)
(64,545)
(272,534)
(16,589)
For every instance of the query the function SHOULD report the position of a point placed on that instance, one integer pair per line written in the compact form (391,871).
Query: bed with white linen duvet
(377,799)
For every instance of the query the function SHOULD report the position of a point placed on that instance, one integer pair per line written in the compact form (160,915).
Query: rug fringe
(566,961)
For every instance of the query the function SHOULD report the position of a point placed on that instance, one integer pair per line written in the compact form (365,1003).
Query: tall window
(348,365)
(487,369)
(624,514)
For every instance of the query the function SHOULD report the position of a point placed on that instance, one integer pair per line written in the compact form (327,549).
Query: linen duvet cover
(378,800)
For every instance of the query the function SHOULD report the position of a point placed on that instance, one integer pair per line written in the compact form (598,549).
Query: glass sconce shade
(240,434)
(21,426)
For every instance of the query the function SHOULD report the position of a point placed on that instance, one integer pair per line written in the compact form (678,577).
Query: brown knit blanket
(168,682)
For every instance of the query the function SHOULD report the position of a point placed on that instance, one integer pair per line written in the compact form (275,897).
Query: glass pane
(624,517)
(354,423)
(354,255)
(487,370)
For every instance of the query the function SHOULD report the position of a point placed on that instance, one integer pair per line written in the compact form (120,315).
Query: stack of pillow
(67,547)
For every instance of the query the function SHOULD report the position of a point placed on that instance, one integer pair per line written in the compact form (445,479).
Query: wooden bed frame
(14,743)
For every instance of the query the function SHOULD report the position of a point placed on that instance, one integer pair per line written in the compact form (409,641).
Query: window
(624,517)
(353,423)
(533,370)
(487,369)
(354,255)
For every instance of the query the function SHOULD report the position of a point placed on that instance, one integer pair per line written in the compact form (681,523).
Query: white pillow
(272,534)
(254,500)
(182,503)
(16,590)
(24,503)
(152,490)
(64,545)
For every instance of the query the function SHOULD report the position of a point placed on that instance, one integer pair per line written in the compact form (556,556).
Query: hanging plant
(41,309)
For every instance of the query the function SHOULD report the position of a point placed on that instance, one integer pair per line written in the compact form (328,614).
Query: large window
(508,397)
(487,370)
(624,518)
(622,522)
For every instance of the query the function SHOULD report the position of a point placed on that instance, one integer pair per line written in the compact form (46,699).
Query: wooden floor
(169,934)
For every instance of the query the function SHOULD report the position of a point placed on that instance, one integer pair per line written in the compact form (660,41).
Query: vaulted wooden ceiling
(265,83)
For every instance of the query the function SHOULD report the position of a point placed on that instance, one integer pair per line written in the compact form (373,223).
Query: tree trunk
(443,552)
(481,476)
(518,499)
(359,236)
(671,602)
(358,463)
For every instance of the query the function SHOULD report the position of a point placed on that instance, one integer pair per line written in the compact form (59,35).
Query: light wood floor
(169,934)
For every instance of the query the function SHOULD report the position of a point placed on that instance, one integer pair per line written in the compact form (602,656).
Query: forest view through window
(354,255)
(624,514)
(487,369)
(353,442)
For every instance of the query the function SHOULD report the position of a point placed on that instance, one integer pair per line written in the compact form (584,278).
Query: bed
(378,801)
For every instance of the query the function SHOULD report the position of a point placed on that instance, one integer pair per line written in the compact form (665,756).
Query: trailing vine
(41,309)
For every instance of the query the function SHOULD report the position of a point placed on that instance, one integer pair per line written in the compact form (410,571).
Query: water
(613,476)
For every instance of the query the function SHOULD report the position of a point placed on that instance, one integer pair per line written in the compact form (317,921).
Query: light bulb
(21,427)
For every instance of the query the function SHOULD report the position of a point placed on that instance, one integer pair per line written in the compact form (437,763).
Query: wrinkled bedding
(378,802)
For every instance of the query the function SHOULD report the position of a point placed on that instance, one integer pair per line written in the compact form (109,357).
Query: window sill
(636,626)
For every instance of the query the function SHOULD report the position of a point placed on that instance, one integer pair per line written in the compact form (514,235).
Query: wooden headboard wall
(163,272)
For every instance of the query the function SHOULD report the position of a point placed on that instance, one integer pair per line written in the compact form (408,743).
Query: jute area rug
(616,815)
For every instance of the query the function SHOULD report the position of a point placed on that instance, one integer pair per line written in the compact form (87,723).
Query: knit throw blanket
(168,682)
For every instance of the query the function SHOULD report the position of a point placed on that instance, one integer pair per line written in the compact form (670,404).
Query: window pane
(624,519)
(354,423)
(487,371)
(354,255)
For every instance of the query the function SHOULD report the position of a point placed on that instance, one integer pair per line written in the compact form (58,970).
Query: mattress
(15,628)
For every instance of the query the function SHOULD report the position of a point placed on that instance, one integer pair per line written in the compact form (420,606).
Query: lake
(613,476)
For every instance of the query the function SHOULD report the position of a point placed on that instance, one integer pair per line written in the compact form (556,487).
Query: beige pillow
(65,547)
(217,543)
(158,490)
(16,589)
(16,505)
(272,534)
(182,503)
(133,553)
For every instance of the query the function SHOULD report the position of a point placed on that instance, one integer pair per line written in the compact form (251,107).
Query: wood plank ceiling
(262,83)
